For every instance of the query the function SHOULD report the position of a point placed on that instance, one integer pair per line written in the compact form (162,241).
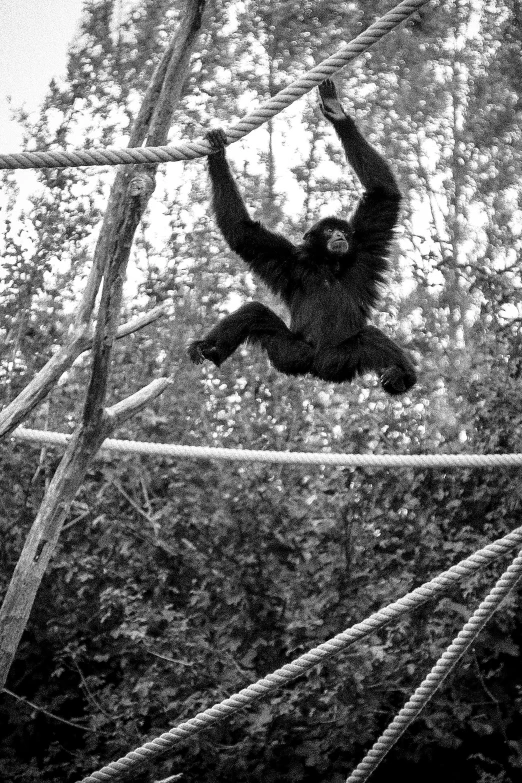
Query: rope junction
(43,437)
(439,673)
(244,698)
(196,149)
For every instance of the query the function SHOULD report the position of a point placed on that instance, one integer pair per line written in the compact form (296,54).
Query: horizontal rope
(42,437)
(219,712)
(199,148)
(439,673)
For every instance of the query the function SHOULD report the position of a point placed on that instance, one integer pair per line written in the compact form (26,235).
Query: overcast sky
(34,36)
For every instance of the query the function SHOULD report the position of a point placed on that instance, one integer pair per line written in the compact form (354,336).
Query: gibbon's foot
(200,350)
(393,380)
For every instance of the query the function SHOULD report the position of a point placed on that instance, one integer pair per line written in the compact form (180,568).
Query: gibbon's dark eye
(328,232)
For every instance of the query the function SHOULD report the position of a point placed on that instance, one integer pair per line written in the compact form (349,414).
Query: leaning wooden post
(128,199)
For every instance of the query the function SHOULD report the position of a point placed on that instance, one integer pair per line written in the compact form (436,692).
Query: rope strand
(199,148)
(438,674)
(272,682)
(43,437)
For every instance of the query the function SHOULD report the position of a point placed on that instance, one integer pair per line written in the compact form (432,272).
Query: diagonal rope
(44,437)
(438,674)
(199,148)
(272,682)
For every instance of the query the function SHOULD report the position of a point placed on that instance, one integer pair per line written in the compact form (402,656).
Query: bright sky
(34,37)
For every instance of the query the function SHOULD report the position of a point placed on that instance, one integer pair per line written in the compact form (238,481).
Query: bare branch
(127,201)
(34,706)
(117,414)
(138,323)
(44,381)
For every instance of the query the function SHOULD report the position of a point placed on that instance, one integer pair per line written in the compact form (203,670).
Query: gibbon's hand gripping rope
(196,149)
(438,674)
(158,747)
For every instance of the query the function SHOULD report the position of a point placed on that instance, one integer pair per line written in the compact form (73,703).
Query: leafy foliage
(179,582)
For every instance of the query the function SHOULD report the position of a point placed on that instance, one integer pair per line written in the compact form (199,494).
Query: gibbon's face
(331,235)
(336,241)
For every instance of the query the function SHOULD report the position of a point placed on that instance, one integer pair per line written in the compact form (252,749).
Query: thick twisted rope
(196,149)
(438,674)
(43,437)
(247,696)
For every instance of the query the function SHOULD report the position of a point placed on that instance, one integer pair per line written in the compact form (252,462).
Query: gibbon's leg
(255,323)
(382,355)
(370,350)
